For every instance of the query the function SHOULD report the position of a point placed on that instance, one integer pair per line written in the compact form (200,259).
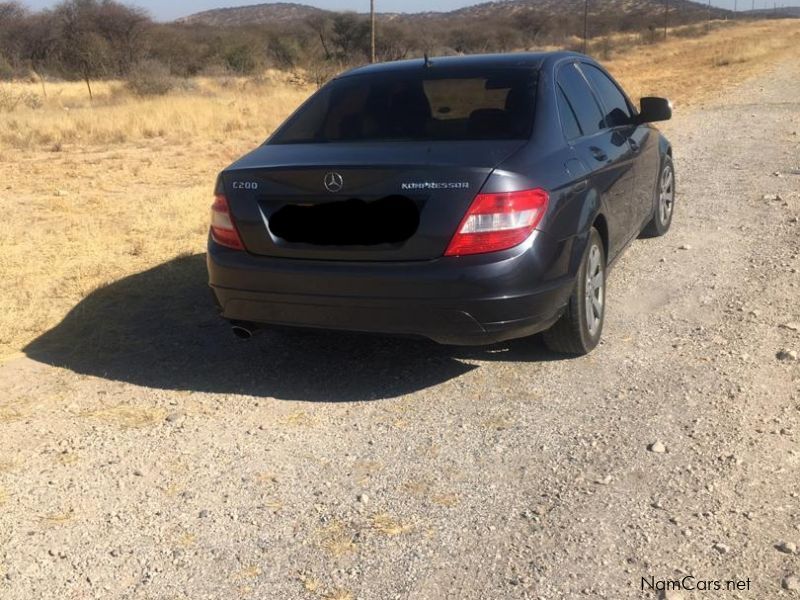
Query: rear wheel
(579,328)
(664,201)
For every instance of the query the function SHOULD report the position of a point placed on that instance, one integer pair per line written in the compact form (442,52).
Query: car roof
(530,60)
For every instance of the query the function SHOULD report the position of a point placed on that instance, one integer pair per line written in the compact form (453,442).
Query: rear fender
(591,209)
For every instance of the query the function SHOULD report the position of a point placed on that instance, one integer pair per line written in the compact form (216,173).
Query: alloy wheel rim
(666,195)
(595,290)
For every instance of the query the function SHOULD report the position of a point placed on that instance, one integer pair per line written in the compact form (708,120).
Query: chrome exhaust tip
(242,332)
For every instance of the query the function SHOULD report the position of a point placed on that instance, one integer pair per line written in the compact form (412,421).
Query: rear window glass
(429,104)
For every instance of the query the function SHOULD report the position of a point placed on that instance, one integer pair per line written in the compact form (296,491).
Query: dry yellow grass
(446,500)
(92,193)
(299,418)
(274,505)
(213,109)
(338,595)
(186,539)
(389,526)
(248,572)
(126,416)
(310,584)
(694,70)
(337,539)
(57,518)
(13,411)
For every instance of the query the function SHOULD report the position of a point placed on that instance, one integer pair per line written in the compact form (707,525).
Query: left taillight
(497,222)
(223,231)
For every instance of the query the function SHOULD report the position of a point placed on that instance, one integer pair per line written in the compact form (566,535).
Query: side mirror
(654,109)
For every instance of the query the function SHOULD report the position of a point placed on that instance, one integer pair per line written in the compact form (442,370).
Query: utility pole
(585,24)
(372,31)
(666,17)
(708,21)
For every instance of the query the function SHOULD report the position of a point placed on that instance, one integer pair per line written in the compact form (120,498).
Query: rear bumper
(465,301)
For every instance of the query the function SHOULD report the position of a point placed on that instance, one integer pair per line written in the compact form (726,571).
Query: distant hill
(256,14)
(786,11)
(281,12)
(619,8)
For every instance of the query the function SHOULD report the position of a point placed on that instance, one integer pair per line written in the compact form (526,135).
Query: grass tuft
(389,526)
(127,416)
(337,539)
(338,595)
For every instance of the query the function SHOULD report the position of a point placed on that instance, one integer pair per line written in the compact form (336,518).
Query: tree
(320,25)
(12,17)
(350,35)
(81,49)
(95,38)
(123,28)
(185,50)
(530,24)
(393,43)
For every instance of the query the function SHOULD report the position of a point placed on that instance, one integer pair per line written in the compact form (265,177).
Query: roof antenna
(428,62)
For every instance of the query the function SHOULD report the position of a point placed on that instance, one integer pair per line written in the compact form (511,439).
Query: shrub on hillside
(150,78)
(242,59)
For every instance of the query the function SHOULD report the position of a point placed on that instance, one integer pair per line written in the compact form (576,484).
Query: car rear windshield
(427,104)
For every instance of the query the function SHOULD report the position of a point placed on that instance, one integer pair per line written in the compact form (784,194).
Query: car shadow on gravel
(158,329)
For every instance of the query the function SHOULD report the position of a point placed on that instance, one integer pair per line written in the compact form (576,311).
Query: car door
(639,139)
(607,159)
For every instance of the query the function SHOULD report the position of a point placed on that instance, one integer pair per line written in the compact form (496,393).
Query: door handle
(580,187)
(598,153)
(634,144)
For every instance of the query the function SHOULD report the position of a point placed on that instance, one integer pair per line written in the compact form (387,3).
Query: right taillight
(498,221)
(223,231)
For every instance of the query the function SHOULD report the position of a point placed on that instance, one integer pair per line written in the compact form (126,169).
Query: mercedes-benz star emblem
(333,182)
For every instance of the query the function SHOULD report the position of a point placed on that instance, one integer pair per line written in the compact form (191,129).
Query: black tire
(663,201)
(572,333)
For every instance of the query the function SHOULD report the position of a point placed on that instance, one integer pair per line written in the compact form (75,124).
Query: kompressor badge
(435,185)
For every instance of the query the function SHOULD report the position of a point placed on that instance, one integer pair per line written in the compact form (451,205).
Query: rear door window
(616,107)
(581,99)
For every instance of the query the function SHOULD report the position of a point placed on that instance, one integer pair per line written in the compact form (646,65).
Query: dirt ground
(145,453)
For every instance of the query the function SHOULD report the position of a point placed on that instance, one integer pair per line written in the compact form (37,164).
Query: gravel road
(145,453)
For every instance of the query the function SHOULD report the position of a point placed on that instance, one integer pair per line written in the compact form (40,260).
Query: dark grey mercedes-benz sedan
(468,199)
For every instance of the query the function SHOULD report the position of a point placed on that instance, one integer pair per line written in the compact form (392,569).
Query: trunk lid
(358,201)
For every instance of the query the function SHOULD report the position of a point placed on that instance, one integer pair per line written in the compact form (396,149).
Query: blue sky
(165,11)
